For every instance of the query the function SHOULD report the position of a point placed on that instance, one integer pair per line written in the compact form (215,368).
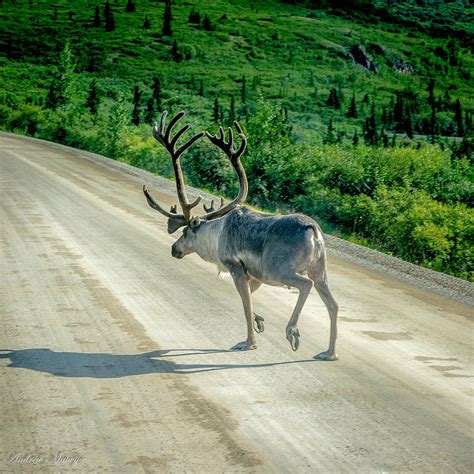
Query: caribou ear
(175,223)
(195,223)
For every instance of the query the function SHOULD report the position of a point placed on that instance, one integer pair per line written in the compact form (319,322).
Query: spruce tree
(51,98)
(92,102)
(156,93)
(408,123)
(65,76)
(96,22)
(431,98)
(167,31)
(399,113)
(207,24)
(370,128)
(352,111)
(130,7)
(150,111)
(433,125)
(458,118)
(333,99)
(177,56)
(109,17)
(215,110)
(330,136)
(194,17)
(232,110)
(136,106)
(244,90)
(355,138)
(146,23)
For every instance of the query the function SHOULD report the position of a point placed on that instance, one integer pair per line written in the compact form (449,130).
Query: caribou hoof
(258,324)
(326,356)
(293,336)
(244,346)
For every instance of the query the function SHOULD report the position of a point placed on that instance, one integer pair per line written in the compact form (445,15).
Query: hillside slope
(288,52)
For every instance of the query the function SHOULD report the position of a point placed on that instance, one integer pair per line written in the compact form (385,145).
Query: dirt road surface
(114,356)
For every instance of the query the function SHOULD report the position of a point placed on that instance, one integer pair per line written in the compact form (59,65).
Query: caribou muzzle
(175,252)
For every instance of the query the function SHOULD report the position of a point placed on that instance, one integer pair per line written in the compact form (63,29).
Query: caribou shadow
(103,365)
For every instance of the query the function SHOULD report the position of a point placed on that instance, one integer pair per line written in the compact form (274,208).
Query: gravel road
(114,357)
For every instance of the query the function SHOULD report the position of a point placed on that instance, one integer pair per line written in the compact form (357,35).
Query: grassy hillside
(289,53)
(355,145)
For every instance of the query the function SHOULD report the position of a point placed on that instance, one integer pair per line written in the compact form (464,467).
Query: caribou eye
(194,224)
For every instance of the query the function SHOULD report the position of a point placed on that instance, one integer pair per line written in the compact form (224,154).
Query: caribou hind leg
(318,274)
(259,321)
(304,286)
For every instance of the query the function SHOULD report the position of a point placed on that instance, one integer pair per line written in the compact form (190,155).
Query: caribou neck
(207,243)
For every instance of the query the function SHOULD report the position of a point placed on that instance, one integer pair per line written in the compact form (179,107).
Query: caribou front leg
(242,284)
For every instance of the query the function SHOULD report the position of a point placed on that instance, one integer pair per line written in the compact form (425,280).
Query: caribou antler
(234,157)
(175,221)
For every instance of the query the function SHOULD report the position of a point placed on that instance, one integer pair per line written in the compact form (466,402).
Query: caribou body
(253,247)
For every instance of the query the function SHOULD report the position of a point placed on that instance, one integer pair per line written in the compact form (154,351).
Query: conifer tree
(130,7)
(136,106)
(109,17)
(370,128)
(177,56)
(92,102)
(215,110)
(458,118)
(431,97)
(96,22)
(244,90)
(51,98)
(64,75)
(201,88)
(232,110)
(156,92)
(146,23)
(207,24)
(167,31)
(194,17)
(333,99)
(352,111)
(355,138)
(330,136)
(398,112)
(408,123)
(433,125)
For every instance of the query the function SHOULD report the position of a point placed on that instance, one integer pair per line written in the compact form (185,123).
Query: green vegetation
(358,113)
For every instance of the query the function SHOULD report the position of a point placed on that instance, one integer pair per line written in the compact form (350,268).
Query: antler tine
(175,119)
(211,208)
(234,157)
(155,205)
(243,139)
(231,139)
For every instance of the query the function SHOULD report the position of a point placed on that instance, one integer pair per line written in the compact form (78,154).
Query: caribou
(254,247)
